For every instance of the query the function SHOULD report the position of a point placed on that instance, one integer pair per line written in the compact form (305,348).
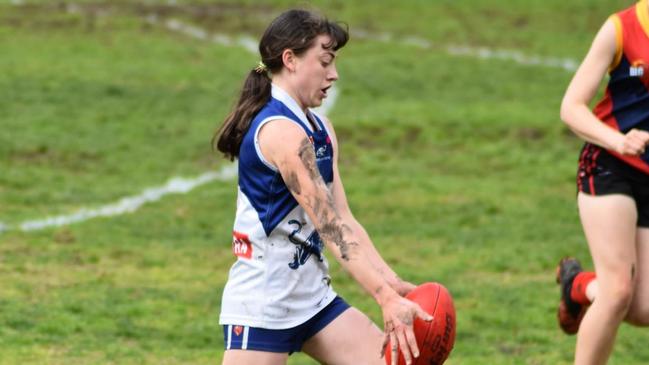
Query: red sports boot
(570,313)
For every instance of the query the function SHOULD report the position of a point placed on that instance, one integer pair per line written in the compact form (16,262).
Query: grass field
(458,167)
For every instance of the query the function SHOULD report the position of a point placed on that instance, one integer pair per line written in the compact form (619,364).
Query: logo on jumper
(241,245)
(304,249)
(639,69)
(320,152)
(237,330)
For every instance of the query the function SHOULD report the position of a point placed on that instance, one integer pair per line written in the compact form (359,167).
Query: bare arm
(287,147)
(575,111)
(391,278)
(340,199)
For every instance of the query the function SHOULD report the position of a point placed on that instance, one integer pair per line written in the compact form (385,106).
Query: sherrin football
(435,339)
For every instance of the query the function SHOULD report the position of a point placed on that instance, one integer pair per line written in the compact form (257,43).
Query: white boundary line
(518,57)
(454,50)
(247,42)
(129,204)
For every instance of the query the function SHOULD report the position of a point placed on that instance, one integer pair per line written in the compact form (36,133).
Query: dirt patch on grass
(46,156)
(530,134)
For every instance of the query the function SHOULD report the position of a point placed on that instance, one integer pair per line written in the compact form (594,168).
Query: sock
(579,285)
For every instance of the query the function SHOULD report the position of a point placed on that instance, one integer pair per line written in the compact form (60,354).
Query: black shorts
(601,173)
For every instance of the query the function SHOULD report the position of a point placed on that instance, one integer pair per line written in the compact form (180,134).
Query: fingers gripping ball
(435,339)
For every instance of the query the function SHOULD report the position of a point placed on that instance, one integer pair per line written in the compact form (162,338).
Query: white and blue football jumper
(281,276)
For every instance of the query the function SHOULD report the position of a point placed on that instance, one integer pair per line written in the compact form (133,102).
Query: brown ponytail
(295,30)
(254,95)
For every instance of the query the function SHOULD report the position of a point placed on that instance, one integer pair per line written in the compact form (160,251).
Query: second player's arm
(575,111)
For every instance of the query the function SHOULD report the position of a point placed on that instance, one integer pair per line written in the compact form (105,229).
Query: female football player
(613,187)
(291,205)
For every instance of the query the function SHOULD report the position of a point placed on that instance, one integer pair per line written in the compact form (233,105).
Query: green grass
(459,169)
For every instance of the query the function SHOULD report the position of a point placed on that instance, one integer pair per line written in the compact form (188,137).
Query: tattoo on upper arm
(307,155)
(293,183)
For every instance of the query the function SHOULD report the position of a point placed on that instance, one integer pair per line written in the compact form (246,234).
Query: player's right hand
(634,143)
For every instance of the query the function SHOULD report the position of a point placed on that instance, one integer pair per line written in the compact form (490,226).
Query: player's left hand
(398,316)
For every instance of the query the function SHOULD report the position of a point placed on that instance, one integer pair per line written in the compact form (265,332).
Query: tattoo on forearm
(333,232)
(332,228)
(378,290)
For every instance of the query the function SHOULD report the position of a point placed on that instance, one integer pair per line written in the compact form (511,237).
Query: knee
(617,300)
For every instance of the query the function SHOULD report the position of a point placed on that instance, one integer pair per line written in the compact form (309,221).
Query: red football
(435,339)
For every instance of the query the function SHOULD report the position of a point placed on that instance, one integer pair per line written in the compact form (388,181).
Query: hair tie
(261,68)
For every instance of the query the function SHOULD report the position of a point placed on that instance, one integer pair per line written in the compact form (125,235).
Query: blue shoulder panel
(263,186)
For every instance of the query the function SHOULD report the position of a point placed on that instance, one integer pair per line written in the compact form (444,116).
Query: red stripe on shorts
(593,163)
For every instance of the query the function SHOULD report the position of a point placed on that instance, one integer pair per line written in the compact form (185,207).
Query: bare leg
(247,357)
(638,314)
(609,223)
(350,339)
(591,290)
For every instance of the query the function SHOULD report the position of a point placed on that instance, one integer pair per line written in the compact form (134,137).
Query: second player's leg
(638,314)
(609,223)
